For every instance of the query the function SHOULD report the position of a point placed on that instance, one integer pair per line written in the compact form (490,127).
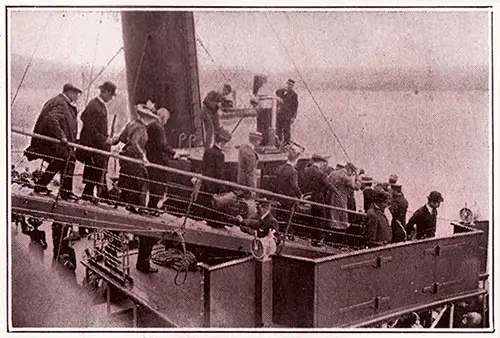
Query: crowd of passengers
(337,196)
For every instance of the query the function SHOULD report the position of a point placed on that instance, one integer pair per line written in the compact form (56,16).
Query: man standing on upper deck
(94,134)
(57,120)
(287,111)
(425,218)
(209,113)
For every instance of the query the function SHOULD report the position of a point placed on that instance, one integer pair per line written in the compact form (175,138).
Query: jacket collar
(101,100)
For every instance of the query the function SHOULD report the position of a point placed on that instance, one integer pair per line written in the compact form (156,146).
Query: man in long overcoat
(378,231)
(316,183)
(213,166)
(57,120)
(287,111)
(94,134)
(286,183)
(346,180)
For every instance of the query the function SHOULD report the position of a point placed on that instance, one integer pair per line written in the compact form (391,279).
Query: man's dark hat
(108,86)
(222,135)
(396,187)
(382,196)
(68,87)
(227,87)
(435,196)
(291,81)
(319,158)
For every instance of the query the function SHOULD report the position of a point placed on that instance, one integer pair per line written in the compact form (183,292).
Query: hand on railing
(64,141)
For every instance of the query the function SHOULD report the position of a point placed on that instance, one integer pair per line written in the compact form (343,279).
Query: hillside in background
(47,74)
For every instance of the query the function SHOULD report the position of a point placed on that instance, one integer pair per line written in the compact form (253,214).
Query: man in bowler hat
(425,218)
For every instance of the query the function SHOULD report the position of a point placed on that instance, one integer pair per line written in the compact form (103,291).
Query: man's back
(285,181)
(315,183)
(424,221)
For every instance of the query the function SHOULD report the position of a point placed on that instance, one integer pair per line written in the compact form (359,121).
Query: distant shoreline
(47,74)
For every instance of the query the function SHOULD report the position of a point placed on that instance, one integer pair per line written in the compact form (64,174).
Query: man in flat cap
(94,134)
(57,120)
(315,182)
(425,218)
(346,181)
(287,111)
(378,231)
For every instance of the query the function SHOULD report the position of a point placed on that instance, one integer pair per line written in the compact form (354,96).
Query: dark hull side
(161,62)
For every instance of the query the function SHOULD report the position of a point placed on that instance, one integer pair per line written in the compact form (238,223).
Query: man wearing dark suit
(94,134)
(213,166)
(316,183)
(425,218)
(213,162)
(398,209)
(378,231)
(287,111)
(368,192)
(286,183)
(57,120)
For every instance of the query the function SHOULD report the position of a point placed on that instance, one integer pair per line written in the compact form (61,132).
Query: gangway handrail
(182,172)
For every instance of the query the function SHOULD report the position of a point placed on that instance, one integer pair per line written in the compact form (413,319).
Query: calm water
(435,140)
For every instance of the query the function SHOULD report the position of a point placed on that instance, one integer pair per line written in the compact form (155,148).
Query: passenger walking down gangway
(181,172)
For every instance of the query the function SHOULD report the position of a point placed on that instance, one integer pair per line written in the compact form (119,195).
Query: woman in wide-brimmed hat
(132,175)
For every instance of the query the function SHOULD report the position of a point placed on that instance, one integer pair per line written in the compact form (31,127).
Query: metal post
(108,299)
(263,293)
(452,312)
(134,315)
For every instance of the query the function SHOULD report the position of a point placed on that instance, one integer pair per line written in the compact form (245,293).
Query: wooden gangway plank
(166,226)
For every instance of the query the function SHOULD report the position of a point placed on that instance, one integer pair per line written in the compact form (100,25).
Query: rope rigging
(103,69)
(94,57)
(31,59)
(308,89)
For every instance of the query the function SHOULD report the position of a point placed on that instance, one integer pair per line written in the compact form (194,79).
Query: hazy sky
(324,39)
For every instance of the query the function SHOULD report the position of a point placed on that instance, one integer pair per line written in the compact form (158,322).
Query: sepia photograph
(255,169)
